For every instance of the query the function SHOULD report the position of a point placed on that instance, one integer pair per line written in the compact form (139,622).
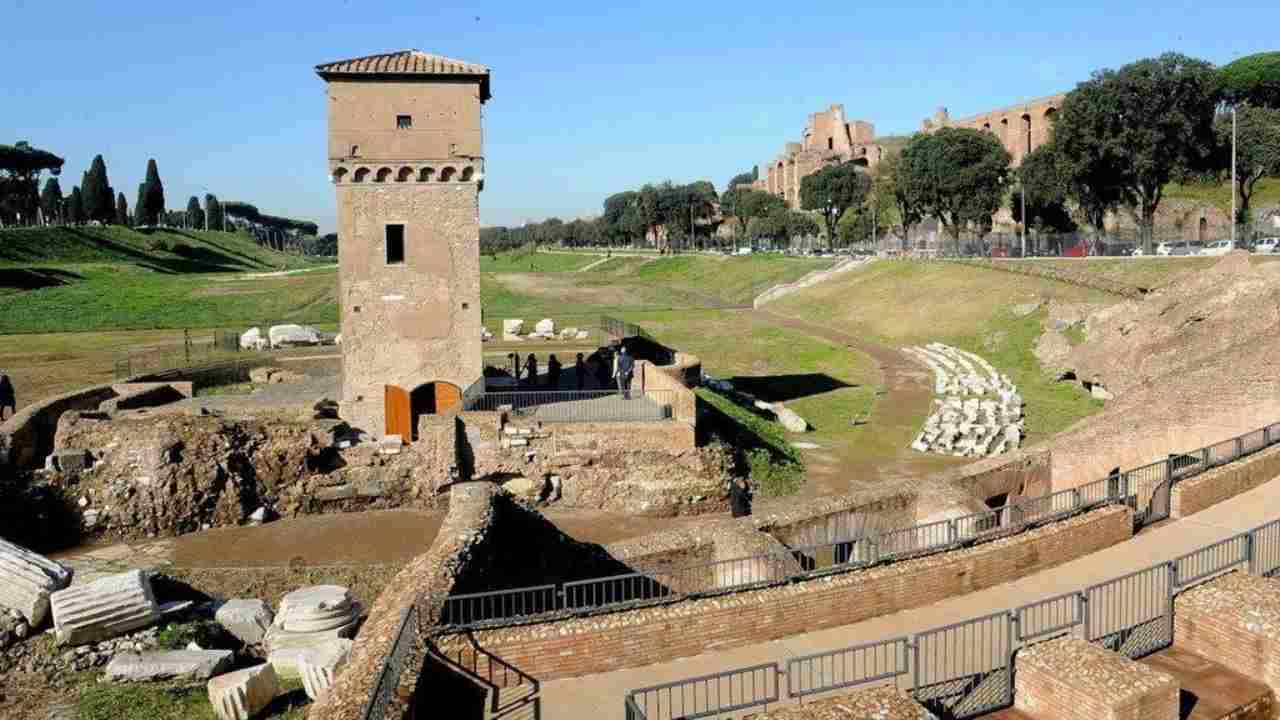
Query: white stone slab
(169,665)
(242,694)
(26,581)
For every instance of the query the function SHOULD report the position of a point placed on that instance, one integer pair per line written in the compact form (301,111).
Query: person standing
(531,370)
(580,371)
(623,371)
(553,373)
(739,498)
(8,398)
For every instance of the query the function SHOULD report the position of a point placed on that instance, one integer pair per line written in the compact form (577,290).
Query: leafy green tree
(957,175)
(51,201)
(1129,132)
(743,204)
(1047,187)
(20,168)
(95,191)
(139,214)
(150,206)
(832,190)
(1254,79)
(906,206)
(122,210)
(216,219)
(75,208)
(1257,149)
(195,216)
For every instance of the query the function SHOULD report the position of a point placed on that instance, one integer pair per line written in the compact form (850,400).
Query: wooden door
(399,416)
(447,396)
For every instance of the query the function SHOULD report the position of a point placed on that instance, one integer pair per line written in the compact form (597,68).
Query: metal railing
(637,405)
(1146,489)
(966,669)
(384,688)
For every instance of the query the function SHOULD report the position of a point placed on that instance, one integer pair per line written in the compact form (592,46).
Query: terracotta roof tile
(406,62)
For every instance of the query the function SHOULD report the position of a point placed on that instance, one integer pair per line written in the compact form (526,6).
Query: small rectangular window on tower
(395,244)
(404,122)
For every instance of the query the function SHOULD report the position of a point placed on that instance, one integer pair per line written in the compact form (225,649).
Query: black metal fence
(966,669)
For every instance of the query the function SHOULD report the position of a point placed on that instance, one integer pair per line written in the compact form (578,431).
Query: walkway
(600,696)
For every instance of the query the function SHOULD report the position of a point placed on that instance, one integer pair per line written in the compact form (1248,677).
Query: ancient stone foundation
(1235,621)
(1070,679)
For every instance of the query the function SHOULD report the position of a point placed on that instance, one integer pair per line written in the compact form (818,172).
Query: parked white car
(1167,249)
(1267,246)
(1219,247)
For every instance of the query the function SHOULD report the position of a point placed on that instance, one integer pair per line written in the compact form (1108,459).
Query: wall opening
(405,174)
(433,398)
(395,244)
(404,122)
(1202,230)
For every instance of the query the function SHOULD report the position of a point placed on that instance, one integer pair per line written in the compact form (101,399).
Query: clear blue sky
(588,99)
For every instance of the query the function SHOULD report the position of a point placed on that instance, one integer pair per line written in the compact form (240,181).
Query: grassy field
(68,279)
(523,261)
(1266,192)
(904,303)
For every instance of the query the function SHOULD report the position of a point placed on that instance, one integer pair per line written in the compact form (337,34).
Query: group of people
(598,365)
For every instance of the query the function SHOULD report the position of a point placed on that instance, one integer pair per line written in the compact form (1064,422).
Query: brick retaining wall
(581,646)
(1233,621)
(1197,493)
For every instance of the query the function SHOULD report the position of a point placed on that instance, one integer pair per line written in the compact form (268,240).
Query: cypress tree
(122,210)
(75,208)
(95,191)
(139,207)
(51,201)
(195,216)
(153,194)
(214,209)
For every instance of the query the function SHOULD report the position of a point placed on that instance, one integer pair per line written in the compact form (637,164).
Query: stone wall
(665,384)
(1020,128)
(580,646)
(1234,621)
(1024,474)
(27,438)
(1191,496)
(1070,679)
(462,545)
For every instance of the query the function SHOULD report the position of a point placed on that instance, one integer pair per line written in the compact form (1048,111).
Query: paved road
(600,696)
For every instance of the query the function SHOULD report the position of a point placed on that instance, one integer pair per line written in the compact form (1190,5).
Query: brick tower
(406,157)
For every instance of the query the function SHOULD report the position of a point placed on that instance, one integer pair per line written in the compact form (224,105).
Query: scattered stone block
(168,665)
(27,580)
(511,329)
(242,694)
(318,666)
(246,620)
(391,445)
(790,419)
(544,327)
(104,608)
(309,617)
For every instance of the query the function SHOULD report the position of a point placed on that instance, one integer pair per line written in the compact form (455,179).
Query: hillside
(77,279)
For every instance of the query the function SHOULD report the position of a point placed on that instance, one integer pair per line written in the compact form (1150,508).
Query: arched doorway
(1202,230)
(404,408)
(433,398)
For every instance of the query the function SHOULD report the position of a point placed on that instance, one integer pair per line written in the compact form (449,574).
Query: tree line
(95,201)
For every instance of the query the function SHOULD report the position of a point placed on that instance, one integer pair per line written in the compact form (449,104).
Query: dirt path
(902,404)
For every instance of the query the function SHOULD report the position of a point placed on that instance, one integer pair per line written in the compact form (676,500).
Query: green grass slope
(906,303)
(64,279)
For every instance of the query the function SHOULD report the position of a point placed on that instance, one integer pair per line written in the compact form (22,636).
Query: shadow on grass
(784,388)
(35,278)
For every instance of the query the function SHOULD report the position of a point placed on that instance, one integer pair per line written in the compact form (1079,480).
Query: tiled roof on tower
(406,62)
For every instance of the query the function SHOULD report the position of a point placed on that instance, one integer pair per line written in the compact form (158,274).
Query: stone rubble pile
(980,413)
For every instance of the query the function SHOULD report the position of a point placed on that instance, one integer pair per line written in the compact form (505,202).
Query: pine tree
(75,208)
(95,191)
(214,209)
(122,210)
(51,201)
(195,216)
(152,202)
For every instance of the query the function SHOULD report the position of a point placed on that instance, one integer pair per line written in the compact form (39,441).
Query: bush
(772,477)
(157,243)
